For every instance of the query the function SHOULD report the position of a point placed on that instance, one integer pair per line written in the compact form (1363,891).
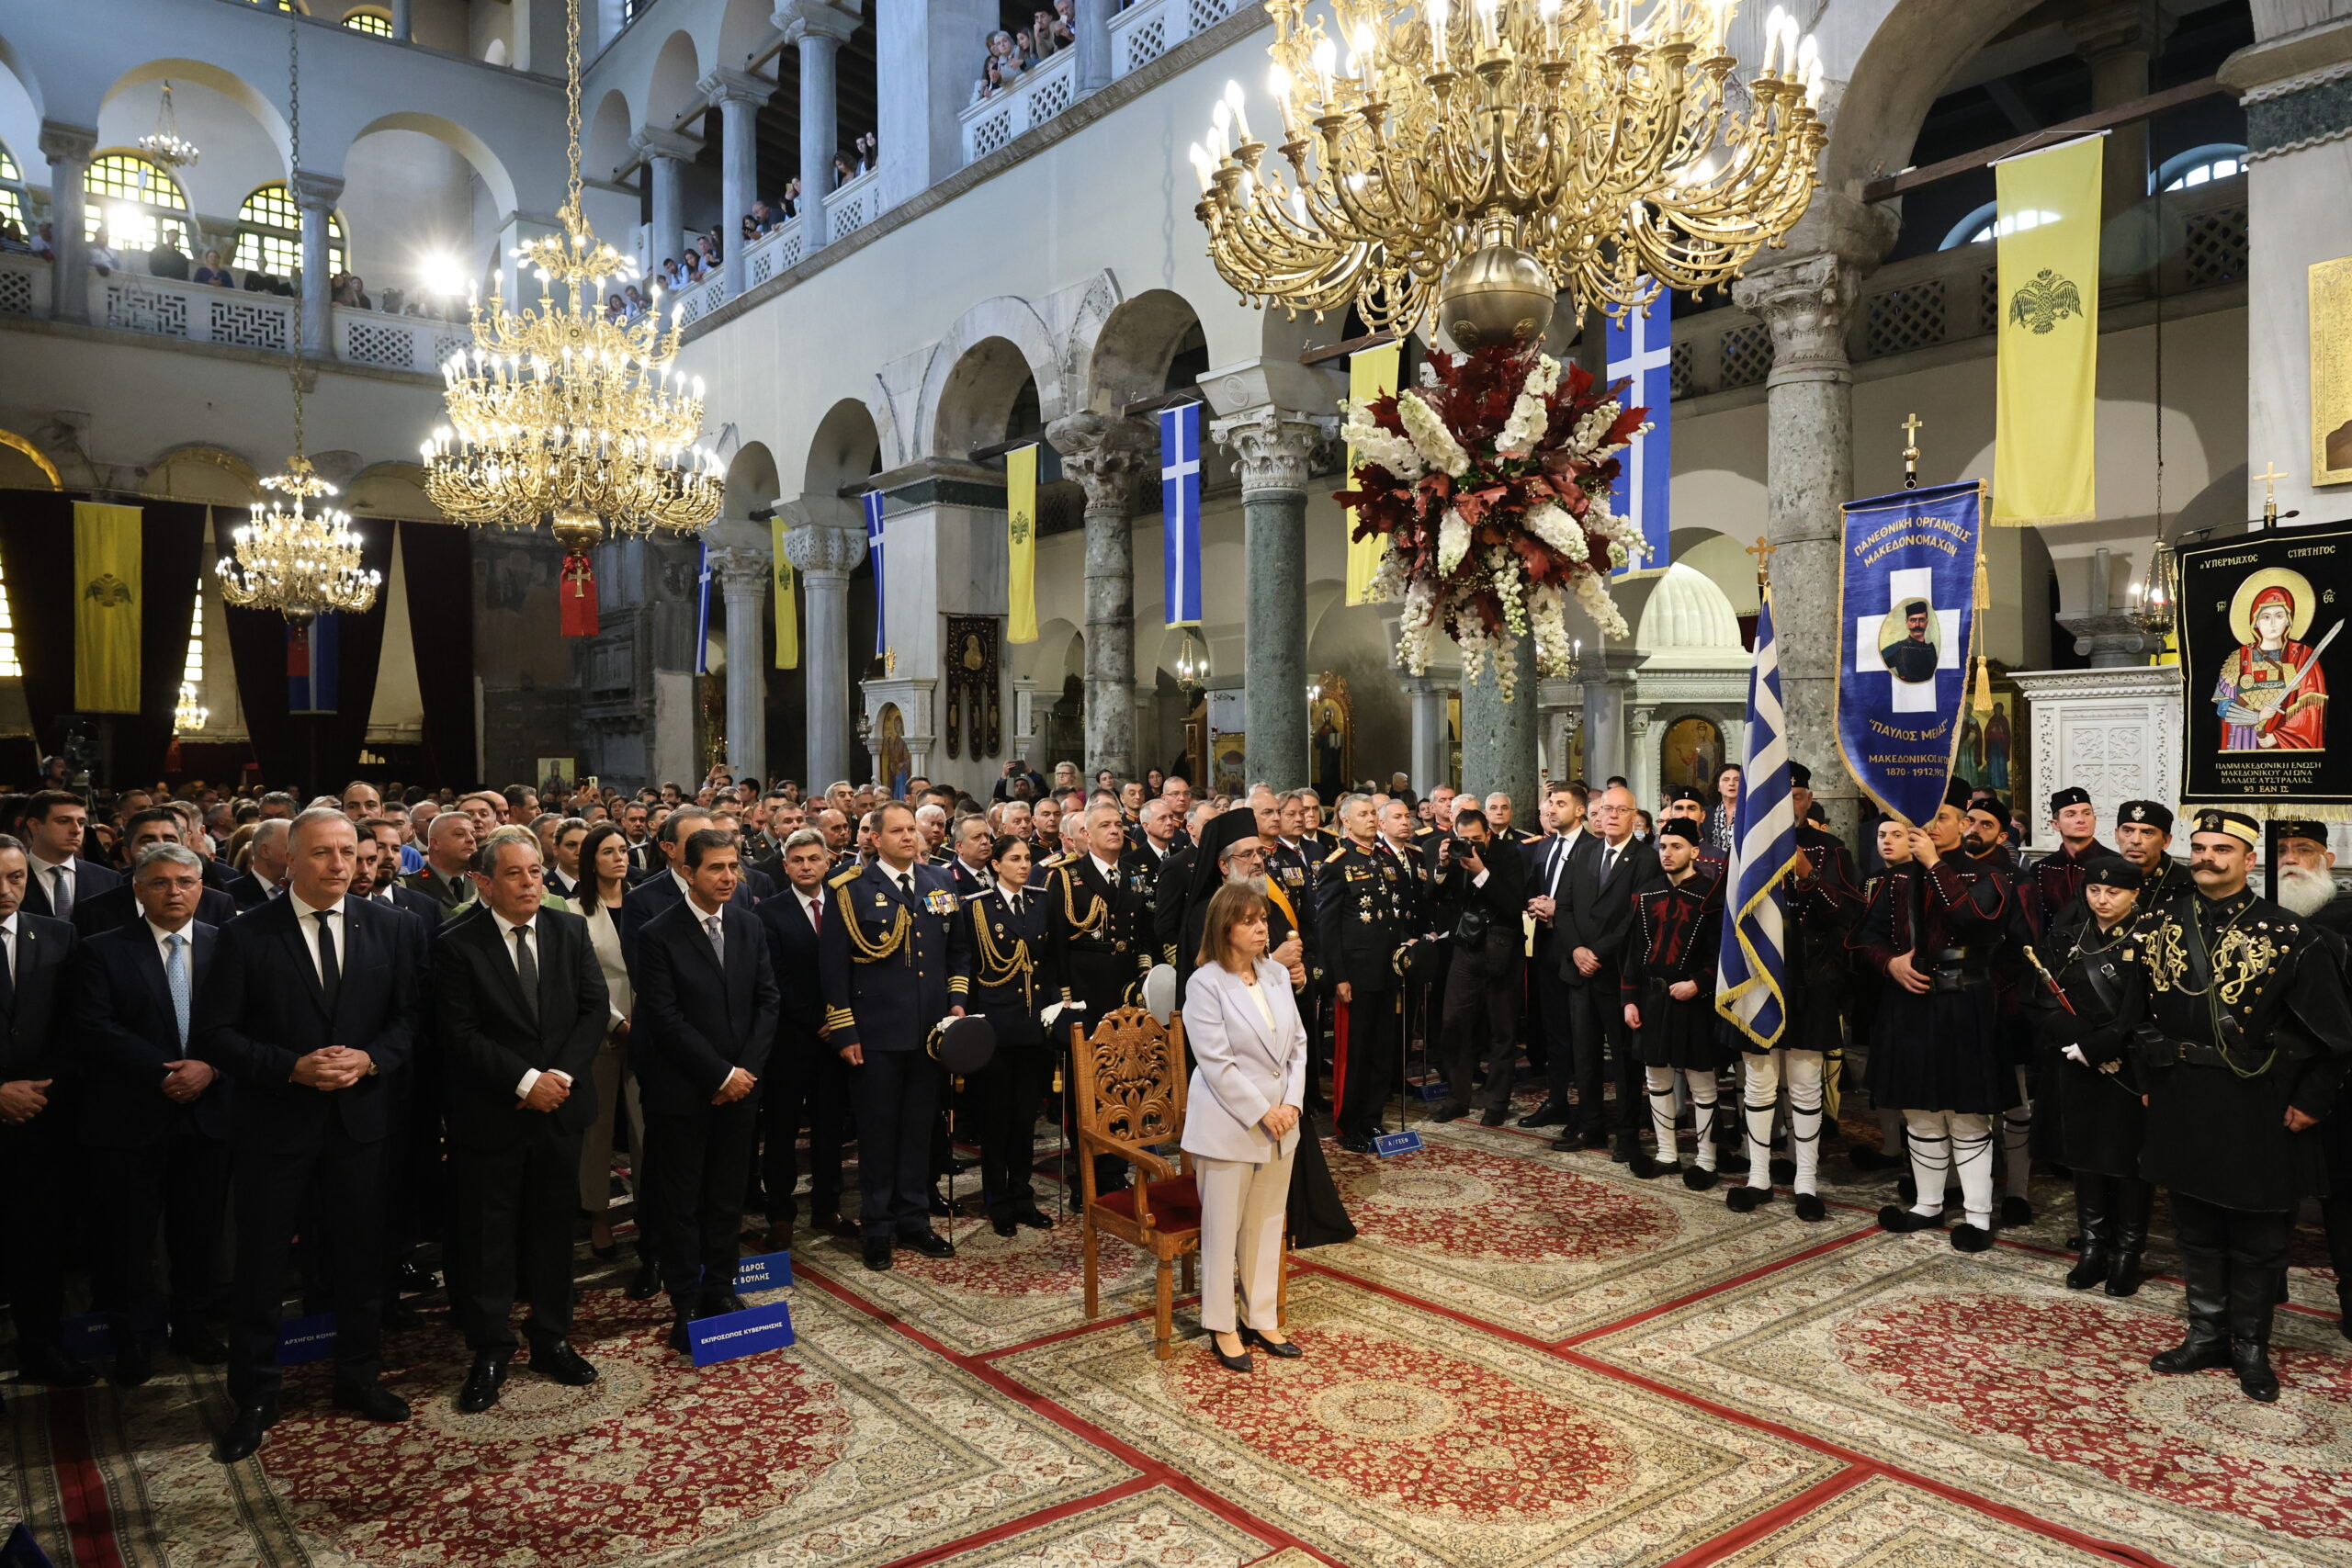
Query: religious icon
(2272,694)
(1693,753)
(1907,642)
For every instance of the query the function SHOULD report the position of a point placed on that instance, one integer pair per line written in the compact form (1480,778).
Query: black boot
(2205,1279)
(2094,1216)
(2130,1205)
(2253,1295)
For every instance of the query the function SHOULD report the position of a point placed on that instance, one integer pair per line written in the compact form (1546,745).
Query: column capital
(735,87)
(1104,454)
(830,20)
(821,549)
(2099,33)
(311,190)
(654,141)
(63,143)
(741,569)
(1274,448)
(1805,304)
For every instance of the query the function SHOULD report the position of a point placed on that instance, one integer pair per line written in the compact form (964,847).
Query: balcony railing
(781,249)
(397,343)
(1140,35)
(853,206)
(1143,32)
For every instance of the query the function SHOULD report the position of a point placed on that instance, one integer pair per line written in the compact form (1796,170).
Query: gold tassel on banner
(1983,699)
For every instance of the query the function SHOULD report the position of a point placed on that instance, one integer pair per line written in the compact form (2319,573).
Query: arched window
(135,201)
(1987,224)
(191,713)
(12,192)
(8,665)
(369,21)
(2199,166)
(269,233)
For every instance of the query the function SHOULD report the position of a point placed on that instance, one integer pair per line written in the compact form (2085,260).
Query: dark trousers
(808,1084)
(272,1195)
(2232,1262)
(1372,1040)
(695,1169)
(1554,1007)
(35,1177)
(2337,1212)
(415,1180)
(898,1100)
(1007,1091)
(1603,1045)
(180,1182)
(1481,1031)
(510,1231)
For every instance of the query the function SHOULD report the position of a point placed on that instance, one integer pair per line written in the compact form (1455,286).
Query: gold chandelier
(287,559)
(558,412)
(165,144)
(1477,159)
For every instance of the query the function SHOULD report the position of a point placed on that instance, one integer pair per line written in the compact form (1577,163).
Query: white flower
(1550,523)
(1452,542)
(1509,578)
(1387,583)
(1430,437)
(1372,444)
(1585,439)
(1550,616)
(1592,593)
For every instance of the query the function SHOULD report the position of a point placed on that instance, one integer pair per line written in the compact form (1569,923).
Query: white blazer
(1239,1073)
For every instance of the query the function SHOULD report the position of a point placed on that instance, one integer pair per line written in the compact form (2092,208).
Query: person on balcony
(166,259)
(210,271)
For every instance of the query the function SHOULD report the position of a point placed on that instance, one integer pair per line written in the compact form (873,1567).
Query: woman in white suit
(1241,1120)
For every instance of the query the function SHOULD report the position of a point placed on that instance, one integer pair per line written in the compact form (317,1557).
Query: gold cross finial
(890,661)
(1761,548)
(1912,425)
(2270,475)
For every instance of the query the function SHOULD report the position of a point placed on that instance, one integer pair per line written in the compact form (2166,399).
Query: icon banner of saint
(2261,641)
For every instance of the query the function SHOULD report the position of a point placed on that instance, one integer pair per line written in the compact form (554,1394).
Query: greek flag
(1751,974)
(872,502)
(701,610)
(1179,510)
(1641,353)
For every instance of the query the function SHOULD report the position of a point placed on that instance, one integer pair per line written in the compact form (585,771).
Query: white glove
(2075,1053)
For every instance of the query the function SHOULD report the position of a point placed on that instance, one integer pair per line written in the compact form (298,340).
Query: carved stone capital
(1805,304)
(1274,449)
(735,87)
(63,143)
(654,141)
(832,20)
(1106,455)
(821,549)
(2098,33)
(741,570)
(315,190)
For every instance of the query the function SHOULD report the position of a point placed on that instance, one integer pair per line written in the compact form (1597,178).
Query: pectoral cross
(2270,475)
(1761,549)
(1911,428)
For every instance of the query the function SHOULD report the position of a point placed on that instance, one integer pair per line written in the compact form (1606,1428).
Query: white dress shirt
(305,923)
(43,873)
(8,945)
(506,930)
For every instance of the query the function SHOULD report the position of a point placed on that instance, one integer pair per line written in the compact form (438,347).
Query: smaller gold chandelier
(294,562)
(165,144)
(191,714)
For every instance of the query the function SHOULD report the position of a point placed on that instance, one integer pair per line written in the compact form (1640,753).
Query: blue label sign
(304,1339)
(735,1334)
(1396,1144)
(768,1271)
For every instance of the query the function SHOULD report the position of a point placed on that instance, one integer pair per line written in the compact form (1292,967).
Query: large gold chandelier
(558,412)
(1477,158)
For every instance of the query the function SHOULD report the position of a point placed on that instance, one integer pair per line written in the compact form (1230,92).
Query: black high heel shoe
(1241,1363)
(1288,1350)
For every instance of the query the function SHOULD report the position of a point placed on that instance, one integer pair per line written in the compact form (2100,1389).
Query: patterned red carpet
(1526,1359)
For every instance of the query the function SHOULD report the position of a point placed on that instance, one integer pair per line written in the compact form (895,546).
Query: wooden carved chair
(1129,1082)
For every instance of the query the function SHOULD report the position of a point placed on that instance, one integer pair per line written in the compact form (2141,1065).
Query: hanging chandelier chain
(571,103)
(294,149)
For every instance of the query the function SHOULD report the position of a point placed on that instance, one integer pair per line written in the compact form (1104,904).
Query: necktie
(817,915)
(9,967)
(527,967)
(907,884)
(1012,903)
(330,973)
(175,977)
(61,894)
(717,941)
(1607,861)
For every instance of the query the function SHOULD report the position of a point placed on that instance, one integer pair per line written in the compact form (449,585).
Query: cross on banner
(1180,507)
(1912,582)
(1641,352)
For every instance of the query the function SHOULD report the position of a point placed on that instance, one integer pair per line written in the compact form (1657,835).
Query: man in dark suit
(808,1083)
(1606,870)
(155,1120)
(968,868)
(36,1130)
(704,1022)
(449,845)
(310,1009)
(1550,1007)
(894,960)
(414,1167)
(522,1009)
(57,878)
(118,906)
(264,877)
(1484,884)
(669,882)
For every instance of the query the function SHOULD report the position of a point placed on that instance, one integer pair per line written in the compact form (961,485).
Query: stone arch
(13,61)
(24,466)
(976,373)
(671,90)
(751,480)
(743,30)
(604,148)
(1041,660)
(391,489)
(1722,555)
(1133,346)
(1912,51)
(464,142)
(197,470)
(846,450)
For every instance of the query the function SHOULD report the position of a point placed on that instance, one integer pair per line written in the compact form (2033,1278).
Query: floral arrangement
(1491,480)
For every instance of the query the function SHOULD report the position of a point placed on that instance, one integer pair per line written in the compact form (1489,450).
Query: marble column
(1092,23)
(1810,435)
(400,19)
(738,97)
(68,150)
(1429,737)
(316,194)
(744,573)
(1499,736)
(1107,456)
(824,554)
(819,27)
(1604,727)
(2117,42)
(1273,447)
(666,154)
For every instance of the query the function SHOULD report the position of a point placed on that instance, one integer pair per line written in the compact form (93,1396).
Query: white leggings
(1700,1087)
(1944,1140)
(1760,1093)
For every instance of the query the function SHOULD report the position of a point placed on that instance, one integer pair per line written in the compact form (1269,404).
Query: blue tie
(176,976)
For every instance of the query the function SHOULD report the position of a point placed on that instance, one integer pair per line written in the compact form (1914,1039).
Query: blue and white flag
(1641,353)
(1752,970)
(313,663)
(702,611)
(872,502)
(1180,509)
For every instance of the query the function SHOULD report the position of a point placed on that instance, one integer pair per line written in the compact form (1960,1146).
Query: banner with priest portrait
(2261,618)
(1908,594)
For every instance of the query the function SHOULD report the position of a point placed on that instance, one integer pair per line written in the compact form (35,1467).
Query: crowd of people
(412,1027)
(168,259)
(1012,52)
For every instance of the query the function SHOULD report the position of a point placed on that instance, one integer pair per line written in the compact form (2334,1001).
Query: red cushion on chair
(1175,1205)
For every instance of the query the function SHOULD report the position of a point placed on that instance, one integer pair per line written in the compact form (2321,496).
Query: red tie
(817,915)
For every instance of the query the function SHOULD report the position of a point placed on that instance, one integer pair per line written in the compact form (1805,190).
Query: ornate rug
(1882,1523)
(1157,1527)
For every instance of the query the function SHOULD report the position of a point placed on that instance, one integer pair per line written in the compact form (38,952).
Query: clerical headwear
(2302,828)
(1678,828)
(2112,871)
(2232,824)
(1800,776)
(1684,792)
(2072,796)
(1956,792)
(1990,806)
(2152,813)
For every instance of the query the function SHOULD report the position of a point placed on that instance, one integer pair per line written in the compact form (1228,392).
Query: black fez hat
(1800,776)
(2231,823)
(2154,814)
(1915,607)
(2073,795)
(1956,794)
(2301,828)
(1678,828)
(2112,871)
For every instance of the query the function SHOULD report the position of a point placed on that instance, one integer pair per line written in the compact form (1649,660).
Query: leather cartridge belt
(1958,969)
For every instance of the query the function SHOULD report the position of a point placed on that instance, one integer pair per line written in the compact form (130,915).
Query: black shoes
(556,1362)
(135,1362)
(2089,1270)
(193,1343)
(1896,1220)
(931,1243)
(2202,1349)
(681,1336)
(1640,1164)
(372,1402)
(2123,1276)
(1005,1227)
(242,1437)
(1811,1209)
(1240,1363)
(1550,1113)
(1448,1111)
(1287,1350)
(1745,1198)
(1966,1237)
(1699,1178)
(1492,1118)
(483,1384)
(1036,1219)
(51,1363)
(831,1223)
(2016,1213)
(646,1283)
(1355,1145)
(2250,1358)
(717,1303)
(940,1207)
(877,1253)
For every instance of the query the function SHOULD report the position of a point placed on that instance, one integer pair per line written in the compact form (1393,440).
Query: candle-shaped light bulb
(1234,101)
(1771,39)
(1490,21)
(1813,87)
(1278,86)
(1807,53)
(1203,165)
(1217,143)
(1327,60)
(1365,53)
(1790,29)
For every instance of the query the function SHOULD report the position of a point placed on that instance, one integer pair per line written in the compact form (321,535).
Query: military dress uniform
(1677,935)
(2015,1127)
(1011,981)
(1363,913)
(893,959)
(1290,870)
(2238,1014)
(1098,946)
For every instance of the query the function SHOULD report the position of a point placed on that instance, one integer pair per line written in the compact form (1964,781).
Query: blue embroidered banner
(1180,508)
(1906,621)
(1640,348)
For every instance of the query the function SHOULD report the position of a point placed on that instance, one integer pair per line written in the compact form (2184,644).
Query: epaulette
(847,877)
(978,893)
(1335,855)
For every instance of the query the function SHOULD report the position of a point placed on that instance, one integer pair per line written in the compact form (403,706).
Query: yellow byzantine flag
(107,601)
(1020,541)
(787,608)
(2043,468)
(1372,373)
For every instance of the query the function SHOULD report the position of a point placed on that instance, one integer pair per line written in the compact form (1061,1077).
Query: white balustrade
(397,343)
(782,248)
(195,313)
(1144,31)
(696,301)
(854,204)
(24,285)
(1038,96)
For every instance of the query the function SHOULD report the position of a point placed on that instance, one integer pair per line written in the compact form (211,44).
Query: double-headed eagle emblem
(109,590)
(2046,299)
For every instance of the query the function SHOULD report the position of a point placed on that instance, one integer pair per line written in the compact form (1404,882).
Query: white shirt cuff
(1480,880)
(533,1074)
